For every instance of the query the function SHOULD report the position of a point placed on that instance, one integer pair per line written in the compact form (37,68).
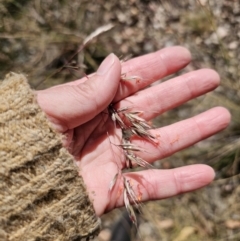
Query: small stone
(233,45)
(222,31)
(104,235)
(166,224)
(203,2)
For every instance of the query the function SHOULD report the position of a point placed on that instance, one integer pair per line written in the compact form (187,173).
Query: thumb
(68,106)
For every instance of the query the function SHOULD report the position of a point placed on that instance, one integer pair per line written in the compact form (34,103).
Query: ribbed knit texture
(42,196)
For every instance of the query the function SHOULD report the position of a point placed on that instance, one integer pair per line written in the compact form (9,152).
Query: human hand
(78,109)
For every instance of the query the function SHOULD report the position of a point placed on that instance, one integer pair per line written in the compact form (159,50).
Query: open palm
(79,110)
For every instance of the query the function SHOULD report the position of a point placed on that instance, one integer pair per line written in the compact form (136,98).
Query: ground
(38,37)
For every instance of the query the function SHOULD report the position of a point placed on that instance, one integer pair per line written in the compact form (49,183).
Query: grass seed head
(113,182)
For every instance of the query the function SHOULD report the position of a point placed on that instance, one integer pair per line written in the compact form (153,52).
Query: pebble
(233,45)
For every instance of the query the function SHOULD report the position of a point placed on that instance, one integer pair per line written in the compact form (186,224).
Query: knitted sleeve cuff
(42,196)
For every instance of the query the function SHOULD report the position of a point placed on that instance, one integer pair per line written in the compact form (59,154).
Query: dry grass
(39,37)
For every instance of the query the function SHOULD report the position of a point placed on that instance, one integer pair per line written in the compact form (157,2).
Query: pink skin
(78,109)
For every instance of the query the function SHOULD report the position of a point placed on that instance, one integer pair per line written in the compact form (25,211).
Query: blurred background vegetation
(41,37)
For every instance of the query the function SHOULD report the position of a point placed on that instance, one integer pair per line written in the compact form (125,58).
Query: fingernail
(106,65)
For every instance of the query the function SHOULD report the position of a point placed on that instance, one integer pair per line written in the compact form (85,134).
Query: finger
(159,184)
(172,93)
(69,106)
(150,68)
(175,137)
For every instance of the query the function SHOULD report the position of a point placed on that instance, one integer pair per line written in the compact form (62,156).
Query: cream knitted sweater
(42,196)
